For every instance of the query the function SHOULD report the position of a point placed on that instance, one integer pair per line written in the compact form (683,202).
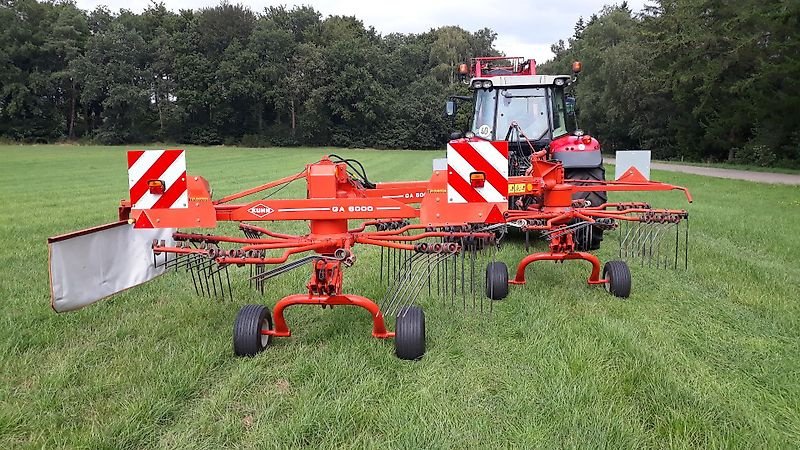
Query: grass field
(708,357)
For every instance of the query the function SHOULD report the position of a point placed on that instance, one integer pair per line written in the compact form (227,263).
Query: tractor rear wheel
(619,278)
(496,280)
(588,241)
(409,338)
(247,337)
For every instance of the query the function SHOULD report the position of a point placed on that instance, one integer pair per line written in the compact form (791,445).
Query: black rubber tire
(619,278)
(496,280)
(247,337)
(409,337)
(594,199)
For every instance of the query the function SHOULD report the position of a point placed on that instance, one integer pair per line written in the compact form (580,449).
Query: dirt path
(760,177)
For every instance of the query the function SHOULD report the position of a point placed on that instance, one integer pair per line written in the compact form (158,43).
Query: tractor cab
(512,103)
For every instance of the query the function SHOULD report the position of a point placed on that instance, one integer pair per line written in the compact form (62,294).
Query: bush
(203,136)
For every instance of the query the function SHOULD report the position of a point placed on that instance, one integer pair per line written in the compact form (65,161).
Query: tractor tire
(583,241)
(409,337)
(247,337)
(496,280)
(619,278)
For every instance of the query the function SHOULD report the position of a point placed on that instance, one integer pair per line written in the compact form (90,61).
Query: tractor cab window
(483,120)
(559,113)
(526,106)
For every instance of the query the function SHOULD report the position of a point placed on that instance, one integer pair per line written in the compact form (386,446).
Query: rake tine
(677,244)
(686,246)
(414,293)
(455,278)
(413,278)
(228,277)
(210,275)
(464,251)
(445,282)
(428,267)
(397,286)
(472,275)
(219,277)
(194,280)
(411,289)
(381,265)
(197,269)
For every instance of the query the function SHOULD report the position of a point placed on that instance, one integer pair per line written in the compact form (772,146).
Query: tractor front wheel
(618,277)
(247,337)
(588,241)
(409,338)
(496,280)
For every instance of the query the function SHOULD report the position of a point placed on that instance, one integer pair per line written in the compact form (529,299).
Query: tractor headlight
(559,82)
(476,84)
(486,84)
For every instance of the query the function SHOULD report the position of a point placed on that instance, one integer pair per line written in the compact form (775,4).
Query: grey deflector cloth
(89,265)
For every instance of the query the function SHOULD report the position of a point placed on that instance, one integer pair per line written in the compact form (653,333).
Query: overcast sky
(524,28)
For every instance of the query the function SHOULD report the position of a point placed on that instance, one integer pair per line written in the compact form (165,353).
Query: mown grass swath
(704,357)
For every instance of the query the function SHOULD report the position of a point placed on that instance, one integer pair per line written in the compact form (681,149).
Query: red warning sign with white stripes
(477,172)
(157,179)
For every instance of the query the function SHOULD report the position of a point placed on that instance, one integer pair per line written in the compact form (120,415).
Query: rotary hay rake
(431,234)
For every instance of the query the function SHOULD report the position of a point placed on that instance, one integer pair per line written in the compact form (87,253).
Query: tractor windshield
(537,111)
(527,107)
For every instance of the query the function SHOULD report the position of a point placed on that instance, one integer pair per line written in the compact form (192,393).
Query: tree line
(224,74)
(705,80)
(696,79)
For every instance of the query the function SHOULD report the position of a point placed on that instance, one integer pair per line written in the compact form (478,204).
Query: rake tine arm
(395,232)
(263,187)
(384,243)
(231,239)
(257,229)
(277,260)
(275,245)
(608,186)
(363,226)
(426,235)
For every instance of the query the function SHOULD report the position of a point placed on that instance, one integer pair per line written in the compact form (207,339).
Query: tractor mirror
(570,103)
(450,108)
(456,135)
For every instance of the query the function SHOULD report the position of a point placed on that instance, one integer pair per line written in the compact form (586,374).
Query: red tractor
(532,112)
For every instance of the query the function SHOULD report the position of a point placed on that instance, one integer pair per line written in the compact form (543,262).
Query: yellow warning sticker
(516,188)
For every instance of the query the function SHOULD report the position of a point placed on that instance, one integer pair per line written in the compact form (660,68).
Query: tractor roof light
(576,67)
(463,69)
(486,84)
(560,81)
(476,84)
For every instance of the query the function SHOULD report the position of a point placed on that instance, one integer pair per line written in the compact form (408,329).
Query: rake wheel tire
(595,199)
(619,278)
(409,338)
(496,280)
(247,337)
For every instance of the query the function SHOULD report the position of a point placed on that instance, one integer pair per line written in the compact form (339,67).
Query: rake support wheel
(496,280)
(409,338)
(247,337)
(619,278)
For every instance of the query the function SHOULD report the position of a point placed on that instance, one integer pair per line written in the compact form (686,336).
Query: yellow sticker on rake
(516,188)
